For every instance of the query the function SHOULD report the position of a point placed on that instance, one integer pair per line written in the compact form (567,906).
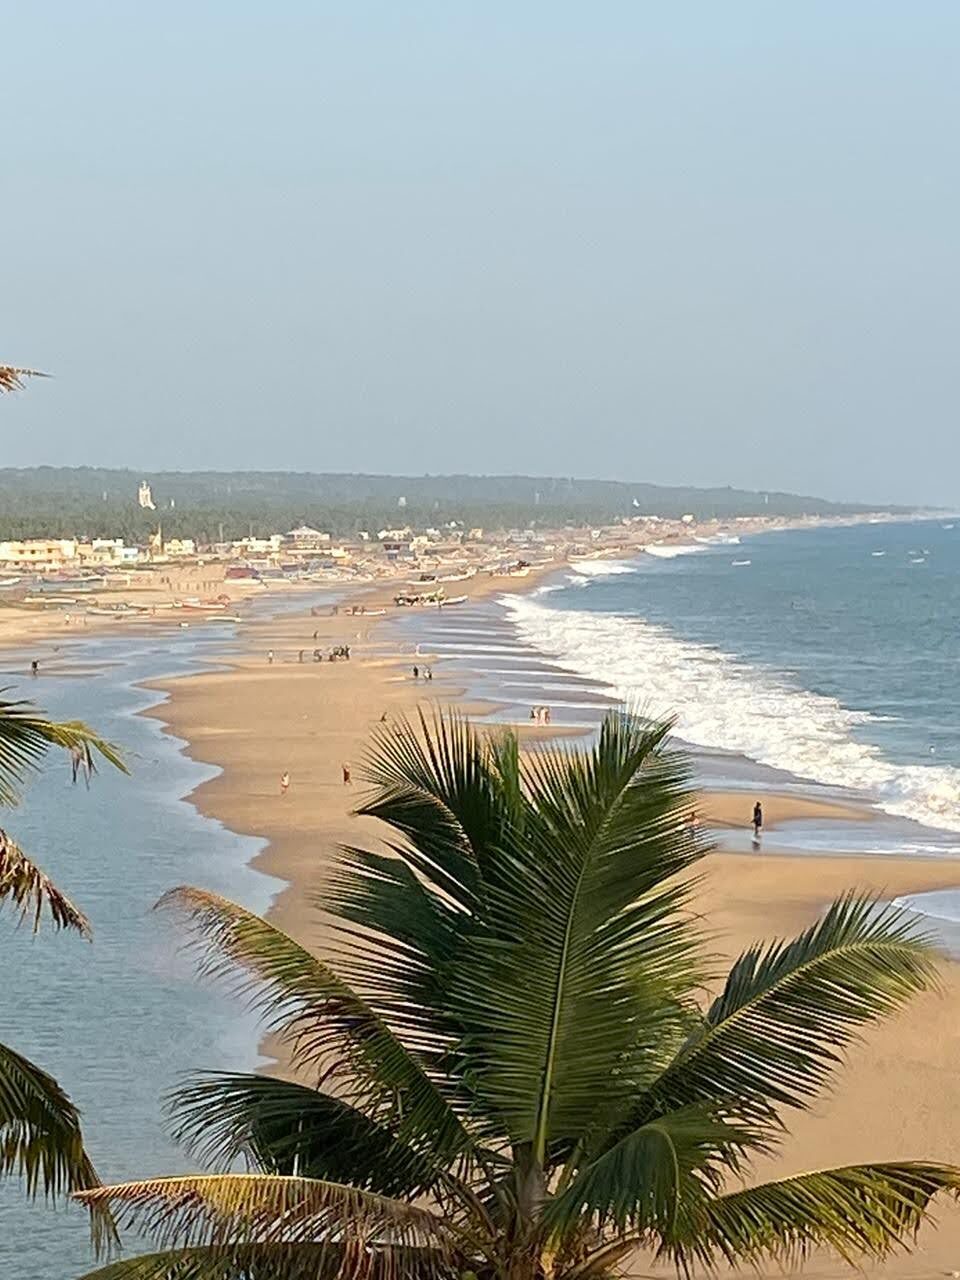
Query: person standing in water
(757,822)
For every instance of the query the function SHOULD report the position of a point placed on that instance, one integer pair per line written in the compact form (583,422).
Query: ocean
(117,1021)
(822,660)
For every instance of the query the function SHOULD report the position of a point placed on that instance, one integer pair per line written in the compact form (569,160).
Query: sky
(687,243)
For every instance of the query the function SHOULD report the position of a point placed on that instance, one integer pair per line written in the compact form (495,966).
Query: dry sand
(897,1097)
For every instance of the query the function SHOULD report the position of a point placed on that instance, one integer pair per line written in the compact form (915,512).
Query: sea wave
(600,568)
(941,904)
(723,703)
(670,550)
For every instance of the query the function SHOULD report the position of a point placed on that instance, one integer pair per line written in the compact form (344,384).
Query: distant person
(693,824)
(416,673)
(284,783)
(546,715)
(300,656)
(345,768)
(428,674)
(270,656)
(34,668)
(757,822)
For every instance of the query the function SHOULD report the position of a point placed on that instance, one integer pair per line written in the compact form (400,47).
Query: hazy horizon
(703,246)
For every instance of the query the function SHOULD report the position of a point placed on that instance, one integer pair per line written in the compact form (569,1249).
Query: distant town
(73,571)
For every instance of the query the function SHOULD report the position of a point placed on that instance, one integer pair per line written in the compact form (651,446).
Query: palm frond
(227,1210)
(654,1178)
(859,1211)
(281,1262)
(329,1025)
(778,1028)
(405,939)
(29,889)
(40,1137)
(11,378)
(572,988)
(25,737)
(286,1128)
(434,785)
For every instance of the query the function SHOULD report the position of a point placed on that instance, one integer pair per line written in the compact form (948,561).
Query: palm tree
(40,1136)
(507,1071)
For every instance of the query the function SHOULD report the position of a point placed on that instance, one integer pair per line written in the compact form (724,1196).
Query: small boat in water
(738,563)
(453,600)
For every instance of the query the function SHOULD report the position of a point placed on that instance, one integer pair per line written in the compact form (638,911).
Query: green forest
(95,502)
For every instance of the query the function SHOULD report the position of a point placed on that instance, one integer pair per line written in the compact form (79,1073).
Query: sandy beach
(897,1097)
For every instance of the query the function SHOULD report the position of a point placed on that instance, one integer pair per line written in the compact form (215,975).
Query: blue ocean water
(118,1021)
(830,655)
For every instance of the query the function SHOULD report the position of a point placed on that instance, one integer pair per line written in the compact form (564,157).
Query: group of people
(285,778)
(426,672)
(340,652)
(540,715)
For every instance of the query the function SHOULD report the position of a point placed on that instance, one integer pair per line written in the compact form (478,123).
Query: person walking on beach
(757,822)
(300,656)
(346,775)
(34,668)
(416,673)
(270,656)
(284,783)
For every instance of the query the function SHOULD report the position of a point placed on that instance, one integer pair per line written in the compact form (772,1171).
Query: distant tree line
(94,502)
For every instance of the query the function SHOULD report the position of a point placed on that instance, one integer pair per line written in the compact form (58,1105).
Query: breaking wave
(723,703)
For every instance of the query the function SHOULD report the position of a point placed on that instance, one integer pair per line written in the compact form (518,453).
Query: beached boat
(453,600)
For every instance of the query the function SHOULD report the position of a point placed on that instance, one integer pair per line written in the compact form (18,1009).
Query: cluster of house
(301,545)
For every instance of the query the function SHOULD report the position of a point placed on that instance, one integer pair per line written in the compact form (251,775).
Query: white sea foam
(600,568)
(941,904)
(670,550)
(723,703)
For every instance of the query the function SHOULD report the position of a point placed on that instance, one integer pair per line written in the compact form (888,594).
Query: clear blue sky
(690,243)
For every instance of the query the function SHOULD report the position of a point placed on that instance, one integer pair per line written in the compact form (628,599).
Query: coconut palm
(40,1135)
(506,1069)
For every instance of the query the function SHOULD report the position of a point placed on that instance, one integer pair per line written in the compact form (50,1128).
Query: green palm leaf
(40,1136)
(777,1029)
(654,1178)
(282,1127)
(25,737)
(859,1211)
(584,960)
(329,1025)
(435,785)
(23,884)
